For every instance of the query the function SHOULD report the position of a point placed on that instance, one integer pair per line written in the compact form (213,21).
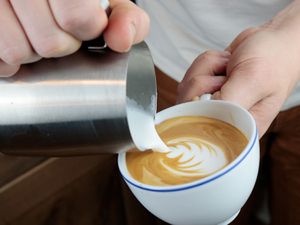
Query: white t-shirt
(182,29)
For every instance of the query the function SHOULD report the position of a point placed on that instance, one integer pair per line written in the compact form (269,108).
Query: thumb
(244,90)
(128,24)
(241,88)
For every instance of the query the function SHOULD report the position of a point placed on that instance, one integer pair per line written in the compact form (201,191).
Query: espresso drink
(199,146)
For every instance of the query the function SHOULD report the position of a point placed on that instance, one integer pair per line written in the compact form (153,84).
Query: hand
(35,29)
(262,68)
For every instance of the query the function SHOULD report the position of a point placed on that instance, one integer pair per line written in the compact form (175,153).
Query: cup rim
(201,181)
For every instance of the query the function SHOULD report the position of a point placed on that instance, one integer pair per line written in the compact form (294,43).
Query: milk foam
(142,128)
(197,156)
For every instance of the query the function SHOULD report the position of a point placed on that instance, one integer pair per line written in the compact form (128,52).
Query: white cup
(215,199)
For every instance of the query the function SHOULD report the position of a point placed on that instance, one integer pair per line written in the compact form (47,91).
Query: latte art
(196,156)
(198,146)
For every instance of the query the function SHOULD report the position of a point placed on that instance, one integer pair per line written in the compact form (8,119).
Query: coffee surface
(199,146)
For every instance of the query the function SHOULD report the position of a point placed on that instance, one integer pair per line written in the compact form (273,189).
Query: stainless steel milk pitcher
(76,105)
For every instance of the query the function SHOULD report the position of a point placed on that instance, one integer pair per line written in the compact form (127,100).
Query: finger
(198,86)
(14,46)
(81,18)
(47,39)
(7,70)
(200,77)
(127,25)
(209,63)
(240,38)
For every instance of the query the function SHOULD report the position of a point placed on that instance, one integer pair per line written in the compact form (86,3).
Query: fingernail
(6,75)
(216,96)
(132,31)
(195,98)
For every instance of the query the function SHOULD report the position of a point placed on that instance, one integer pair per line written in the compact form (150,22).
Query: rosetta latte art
(198,147)
(195,157)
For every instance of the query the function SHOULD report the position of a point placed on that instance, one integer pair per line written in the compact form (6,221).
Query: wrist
(286,26)
(287,18)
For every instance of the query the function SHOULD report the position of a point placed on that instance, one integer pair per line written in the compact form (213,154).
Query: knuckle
(209,52)
(56,46)
(49,49)
(73,21)
(196,82)
(207,55)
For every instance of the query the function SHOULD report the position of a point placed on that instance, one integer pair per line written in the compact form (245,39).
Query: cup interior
(222,110)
